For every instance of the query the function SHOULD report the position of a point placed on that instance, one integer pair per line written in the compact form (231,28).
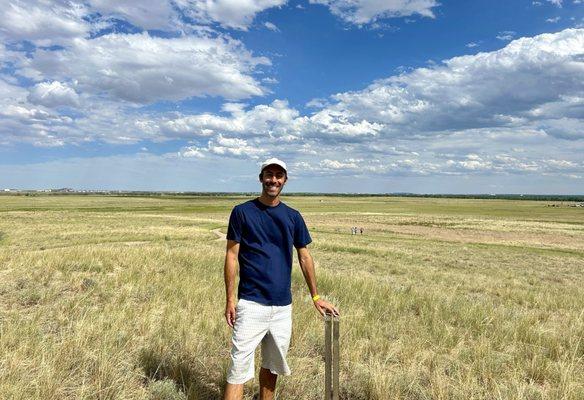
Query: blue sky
(355,95)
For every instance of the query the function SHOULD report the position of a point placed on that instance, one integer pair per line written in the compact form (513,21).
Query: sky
(360,96)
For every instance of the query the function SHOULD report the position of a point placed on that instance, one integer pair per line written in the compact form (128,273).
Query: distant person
(361,230)
(260,238)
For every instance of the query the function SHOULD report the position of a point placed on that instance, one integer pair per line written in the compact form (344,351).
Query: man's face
(273,178)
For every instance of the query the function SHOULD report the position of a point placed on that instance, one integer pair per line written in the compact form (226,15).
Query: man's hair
(262,173)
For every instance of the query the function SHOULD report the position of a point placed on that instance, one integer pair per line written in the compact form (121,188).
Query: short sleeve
(301,236)
(235,226)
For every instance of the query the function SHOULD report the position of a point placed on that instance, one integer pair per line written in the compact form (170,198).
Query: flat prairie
(105,297)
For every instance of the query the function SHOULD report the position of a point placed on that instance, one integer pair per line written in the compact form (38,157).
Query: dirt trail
(220,235)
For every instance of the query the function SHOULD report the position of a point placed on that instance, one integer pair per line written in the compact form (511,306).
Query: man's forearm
(230,274)
(307,267)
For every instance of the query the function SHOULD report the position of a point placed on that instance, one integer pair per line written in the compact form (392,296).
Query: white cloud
(463,165)
(161,14)
(271,27)
(317,103)
(10,93)
(362,12)
(200,125)
(39,124)
(225,146)
(330,122)
(276,119)
(553,20)
(147,14)
(561,164)
(26,114)
(471,45)
(367,167)
(506,35)
(506,164)
(22,122)
(46,22)
(53,94)
(140,68)
(563,127)
(339,165)
(450,97)
(191,152)
(106,76)
(229,13)
(36,126)
(42,22)
(269,80)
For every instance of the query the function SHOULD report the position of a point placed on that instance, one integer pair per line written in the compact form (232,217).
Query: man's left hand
(324,307)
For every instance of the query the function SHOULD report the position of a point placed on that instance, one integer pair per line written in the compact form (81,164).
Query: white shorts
(254,324)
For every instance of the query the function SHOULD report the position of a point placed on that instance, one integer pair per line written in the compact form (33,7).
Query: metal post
(331,357)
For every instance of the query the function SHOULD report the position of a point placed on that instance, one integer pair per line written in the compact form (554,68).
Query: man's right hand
(230,313)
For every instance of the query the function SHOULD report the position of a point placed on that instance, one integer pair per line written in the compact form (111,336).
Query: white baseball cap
(273,161)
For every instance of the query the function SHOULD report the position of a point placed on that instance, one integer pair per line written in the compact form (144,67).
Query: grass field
(123,298)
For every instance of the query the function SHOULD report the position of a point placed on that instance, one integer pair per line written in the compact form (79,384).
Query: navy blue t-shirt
(266,236)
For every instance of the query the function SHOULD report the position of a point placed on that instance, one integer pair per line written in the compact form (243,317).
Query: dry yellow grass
(122,298)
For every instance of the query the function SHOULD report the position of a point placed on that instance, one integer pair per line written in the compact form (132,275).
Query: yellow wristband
(315,297)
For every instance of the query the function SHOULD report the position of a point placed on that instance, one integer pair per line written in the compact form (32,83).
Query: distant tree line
(122,193)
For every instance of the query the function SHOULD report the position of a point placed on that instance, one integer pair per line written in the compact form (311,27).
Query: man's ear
(261,173)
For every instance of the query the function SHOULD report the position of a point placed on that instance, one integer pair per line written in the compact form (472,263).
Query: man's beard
(266,188)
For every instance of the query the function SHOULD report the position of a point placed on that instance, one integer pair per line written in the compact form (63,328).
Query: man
(260,238)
